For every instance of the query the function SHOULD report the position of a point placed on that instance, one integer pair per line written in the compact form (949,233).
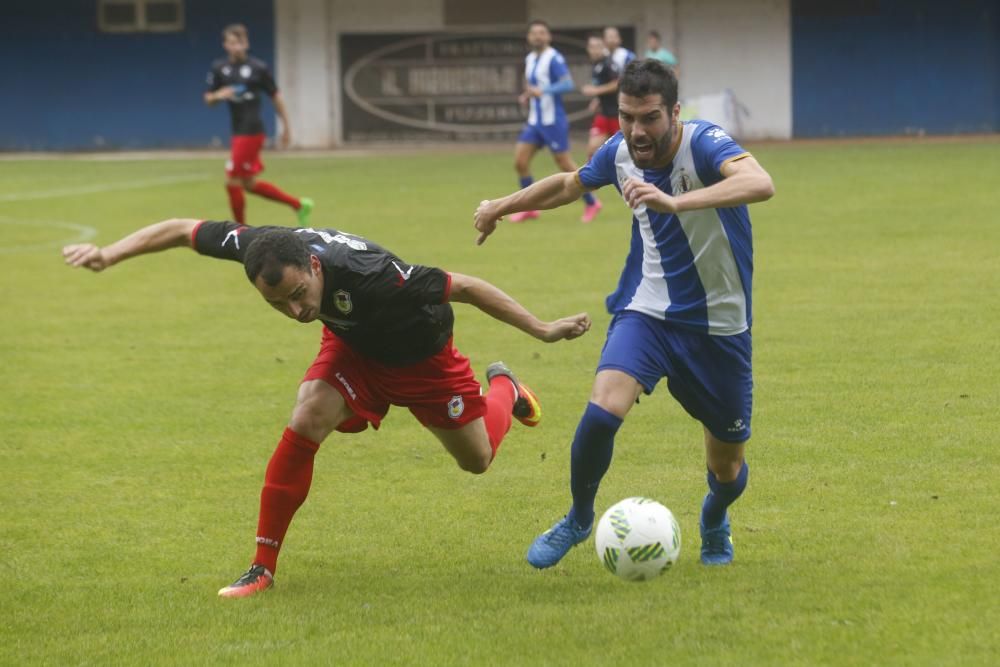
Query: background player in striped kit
(682,309)
(546,80)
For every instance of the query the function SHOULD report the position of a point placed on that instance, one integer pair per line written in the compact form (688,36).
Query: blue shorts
(710,376)
(555,137)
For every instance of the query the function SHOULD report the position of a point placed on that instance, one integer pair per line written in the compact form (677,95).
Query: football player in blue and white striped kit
(682,308)
(546,79)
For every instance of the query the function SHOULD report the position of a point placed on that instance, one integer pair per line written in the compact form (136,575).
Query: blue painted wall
(871,67)
(65,85)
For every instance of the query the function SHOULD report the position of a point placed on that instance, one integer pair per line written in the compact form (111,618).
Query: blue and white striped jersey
(694,268)
(543,70)
(622,57)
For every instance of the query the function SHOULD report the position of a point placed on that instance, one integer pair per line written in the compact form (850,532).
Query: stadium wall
(867,67)
(748,51)
(68,85)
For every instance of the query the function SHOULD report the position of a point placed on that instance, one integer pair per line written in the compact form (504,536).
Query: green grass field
(139,408)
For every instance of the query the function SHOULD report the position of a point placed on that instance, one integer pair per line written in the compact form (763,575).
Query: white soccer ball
(638,539)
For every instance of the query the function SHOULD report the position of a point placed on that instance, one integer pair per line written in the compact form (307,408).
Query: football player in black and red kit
(603,87)
(387,340)
(241,81)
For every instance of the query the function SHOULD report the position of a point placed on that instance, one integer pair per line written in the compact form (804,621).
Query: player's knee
(247,184)
(476,464)
(309,419)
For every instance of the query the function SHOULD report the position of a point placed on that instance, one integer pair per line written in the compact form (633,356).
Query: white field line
(83,233)
(97,188)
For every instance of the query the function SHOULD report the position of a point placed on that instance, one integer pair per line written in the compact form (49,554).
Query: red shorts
(244,160)
(606,125)
(441,391)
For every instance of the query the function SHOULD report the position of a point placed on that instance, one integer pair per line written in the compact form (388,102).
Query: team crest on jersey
(245,71)
(682,183)
(342,300)
(718,134)
(456,406)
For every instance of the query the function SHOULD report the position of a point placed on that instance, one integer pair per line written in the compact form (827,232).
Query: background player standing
(604,89)
(546,80)
(682,309)
(387,340)
(619,54)
(241,80)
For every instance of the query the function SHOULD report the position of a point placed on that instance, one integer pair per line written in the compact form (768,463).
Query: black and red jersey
(602,72)
(388,310)
(252,80)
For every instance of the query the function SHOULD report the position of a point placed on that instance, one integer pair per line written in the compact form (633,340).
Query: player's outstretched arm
(550,192)
(495,303)
(154,238)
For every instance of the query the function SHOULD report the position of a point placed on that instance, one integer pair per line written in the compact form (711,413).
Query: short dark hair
(649,77)
(595,34)
(540,22)
(272,251)
(655,33)
(238,30)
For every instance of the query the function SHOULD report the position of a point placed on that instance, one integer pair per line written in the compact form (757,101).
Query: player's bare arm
(497,304)
(285,139)
(213,97)
(164,235)
(590,90)
(744,182)
(550,192)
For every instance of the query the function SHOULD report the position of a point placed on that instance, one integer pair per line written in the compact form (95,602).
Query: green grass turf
(140,406)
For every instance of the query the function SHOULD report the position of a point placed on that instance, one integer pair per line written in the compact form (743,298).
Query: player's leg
(237,202)
(613,394)
(527,145)
(591,205)
(443,394)
(253,165)
(727,478)
(631,363)
(596,139)
(469,445)
(712,380)
(319,409)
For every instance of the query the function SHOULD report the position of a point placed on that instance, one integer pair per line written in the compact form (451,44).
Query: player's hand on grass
(567,328)
(486,220)
(637,192)
(85,255)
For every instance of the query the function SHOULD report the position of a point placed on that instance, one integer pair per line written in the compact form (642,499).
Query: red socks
(499,403)
(236,201)
(286,485)
(269,191)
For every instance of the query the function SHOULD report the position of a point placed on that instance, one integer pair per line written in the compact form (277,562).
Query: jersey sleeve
(600,170)
(558,69)
(223,240)
(712,148)
(213,81)
(267,82)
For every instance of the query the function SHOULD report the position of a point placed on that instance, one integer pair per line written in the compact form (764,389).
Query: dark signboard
(448,86)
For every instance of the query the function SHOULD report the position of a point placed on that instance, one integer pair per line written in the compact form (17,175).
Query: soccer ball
(638,539)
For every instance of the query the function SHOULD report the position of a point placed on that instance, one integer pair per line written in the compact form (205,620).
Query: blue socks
(593,445)
(720,496)
(588,198)
(525,181)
